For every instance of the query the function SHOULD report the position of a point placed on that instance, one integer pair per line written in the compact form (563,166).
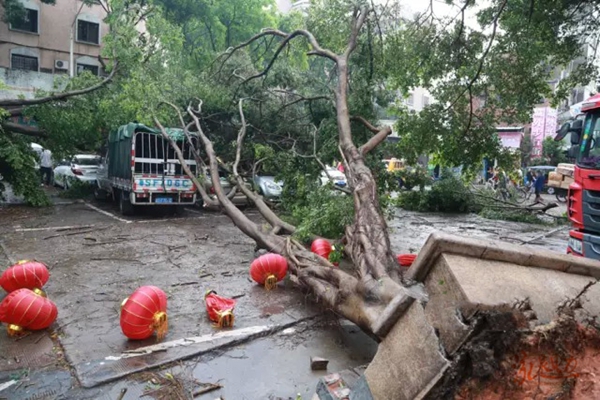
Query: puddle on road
(279,366)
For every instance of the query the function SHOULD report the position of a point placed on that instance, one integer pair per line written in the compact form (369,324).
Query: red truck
(583,204)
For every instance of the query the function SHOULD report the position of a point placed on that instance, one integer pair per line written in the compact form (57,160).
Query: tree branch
(16,112)
(23,130)
(262,207)
(376,140)
(483,57)
(269,242)
(366,123)
(317,49)
(381,133)
(318,160)
(301,98)
(360,14)
(199,186)
(58,96)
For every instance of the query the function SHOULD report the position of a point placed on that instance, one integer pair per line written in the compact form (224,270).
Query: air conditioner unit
(61,64)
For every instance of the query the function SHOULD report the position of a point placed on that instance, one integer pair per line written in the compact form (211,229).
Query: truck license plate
(162,200)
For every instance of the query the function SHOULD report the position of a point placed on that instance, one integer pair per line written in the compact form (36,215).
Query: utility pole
(72,43)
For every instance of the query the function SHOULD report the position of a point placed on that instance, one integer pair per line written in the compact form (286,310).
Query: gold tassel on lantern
(226,319)
(271,282)
(161,324)
(14,330)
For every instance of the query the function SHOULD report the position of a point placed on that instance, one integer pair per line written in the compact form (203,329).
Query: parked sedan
(239,198)
(268,187)
(337,177)
(82,167)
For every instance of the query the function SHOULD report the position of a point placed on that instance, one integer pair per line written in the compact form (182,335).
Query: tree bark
(23,130)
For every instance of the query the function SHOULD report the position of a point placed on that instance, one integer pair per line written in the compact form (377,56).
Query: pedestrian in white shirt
(46,166)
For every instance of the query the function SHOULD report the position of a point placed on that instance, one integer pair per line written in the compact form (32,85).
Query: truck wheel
(180,210)
(125,205)
(100,194)
(551,190)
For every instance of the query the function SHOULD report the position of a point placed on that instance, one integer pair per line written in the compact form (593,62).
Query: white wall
(418,99)
(24,83)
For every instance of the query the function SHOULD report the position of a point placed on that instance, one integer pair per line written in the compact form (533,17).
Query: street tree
(480,76)
(361,297)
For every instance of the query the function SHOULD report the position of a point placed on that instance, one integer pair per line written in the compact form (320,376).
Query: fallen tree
(365,294)
(370,291)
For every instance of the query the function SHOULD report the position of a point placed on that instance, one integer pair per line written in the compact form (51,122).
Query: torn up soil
(560,360)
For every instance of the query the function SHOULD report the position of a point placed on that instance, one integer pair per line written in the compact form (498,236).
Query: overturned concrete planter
(462,276)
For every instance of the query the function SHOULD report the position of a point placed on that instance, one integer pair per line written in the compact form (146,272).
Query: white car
(37,149)
(337,177)
(82,167)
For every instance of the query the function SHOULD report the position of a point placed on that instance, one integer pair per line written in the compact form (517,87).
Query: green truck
(140,168)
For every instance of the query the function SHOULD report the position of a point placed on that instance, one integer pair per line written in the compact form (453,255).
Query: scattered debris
(185,283)
(122,394)
(69,234)
(318,363)
(206,389)
(333,387)
(546,234)
(115,259)
(54,228)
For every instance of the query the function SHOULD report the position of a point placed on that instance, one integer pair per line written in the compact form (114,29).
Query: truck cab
(583,204)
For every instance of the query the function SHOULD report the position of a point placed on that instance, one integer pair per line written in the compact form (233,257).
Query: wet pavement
(97,258)
(410,230)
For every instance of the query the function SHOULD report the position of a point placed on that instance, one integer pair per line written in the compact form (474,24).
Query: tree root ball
(560,360)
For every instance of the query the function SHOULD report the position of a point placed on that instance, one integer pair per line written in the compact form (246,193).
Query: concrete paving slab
(33,351)
(36,385)
(110,368)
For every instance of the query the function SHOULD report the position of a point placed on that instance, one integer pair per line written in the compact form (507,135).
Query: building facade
(34,51)
(571,106)
(418,99)
(286,6)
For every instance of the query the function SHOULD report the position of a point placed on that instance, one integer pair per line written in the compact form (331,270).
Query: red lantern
(23,310)
(268,269)
(406,260)
(25,274)
(144,312)
(321,247)
(219,309)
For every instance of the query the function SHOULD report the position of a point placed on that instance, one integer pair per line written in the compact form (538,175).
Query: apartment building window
(410,100)
(27,63)
(29,23)
(84,67)
(425,101)
(88,32)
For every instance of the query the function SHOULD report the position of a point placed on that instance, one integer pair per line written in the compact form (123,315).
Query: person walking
(540,181)
(46,166)
(529,179)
